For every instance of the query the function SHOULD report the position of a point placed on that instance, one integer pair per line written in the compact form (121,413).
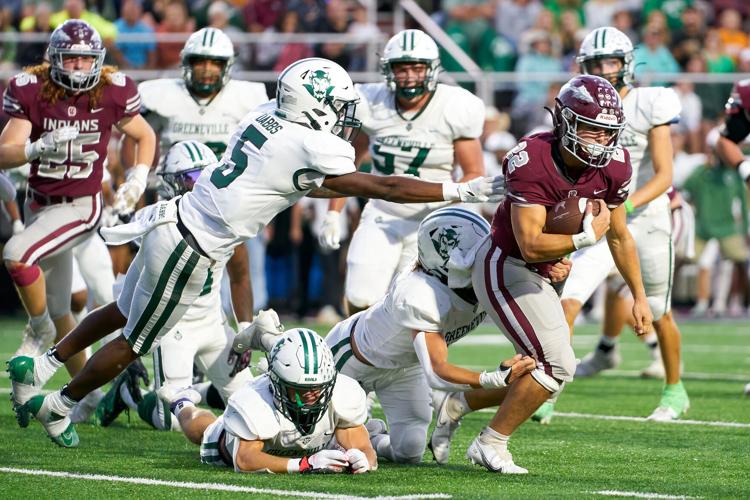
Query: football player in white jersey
(203,335)
(398,347)
(300,417)
(205,104)
(292,147)
(416,126)
(649,111)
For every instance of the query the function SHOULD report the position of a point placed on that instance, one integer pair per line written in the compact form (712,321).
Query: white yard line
(638,494)
(210,486)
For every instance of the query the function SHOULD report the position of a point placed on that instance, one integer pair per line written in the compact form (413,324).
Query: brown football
(567,216)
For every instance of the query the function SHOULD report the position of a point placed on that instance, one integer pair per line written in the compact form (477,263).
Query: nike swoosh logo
(597,191)
(96,110)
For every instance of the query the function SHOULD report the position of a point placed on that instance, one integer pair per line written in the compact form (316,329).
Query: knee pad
(659,305)
(409,448)
(549,383)
(23,275)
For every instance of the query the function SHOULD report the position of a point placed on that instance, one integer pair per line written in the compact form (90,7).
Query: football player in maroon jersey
(62,113)
(734,130)
(581,158)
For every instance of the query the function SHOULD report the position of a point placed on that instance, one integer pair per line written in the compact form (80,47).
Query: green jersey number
(225,174)
(384,161)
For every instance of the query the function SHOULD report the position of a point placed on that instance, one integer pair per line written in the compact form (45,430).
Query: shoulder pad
(158,96)
(419,303)
(250,413)
(118,79)
(329,154)
(464,112)
(249,95)
(348,402)
(20,94)
(664,104)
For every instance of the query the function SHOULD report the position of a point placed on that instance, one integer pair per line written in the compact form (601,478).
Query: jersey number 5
(225,174)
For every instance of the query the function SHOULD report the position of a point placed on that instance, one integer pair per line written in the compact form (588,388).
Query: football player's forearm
(626,259)
(729,153)
(12,155)
(545,247)
(146,149)
(655,187)
(238,270)
(257,461)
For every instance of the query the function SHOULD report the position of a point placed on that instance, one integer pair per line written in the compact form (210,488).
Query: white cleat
(654,370)
(597,361)
(747,390)
(265,324)
(493,459)
(35,343)
(663,414)
(445,428)
(86,407)
(171,394)
(25,382)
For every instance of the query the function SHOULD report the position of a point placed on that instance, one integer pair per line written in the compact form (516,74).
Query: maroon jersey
(73,169)
(532,177)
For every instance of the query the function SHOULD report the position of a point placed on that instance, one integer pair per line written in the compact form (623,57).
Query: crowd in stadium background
(681,37)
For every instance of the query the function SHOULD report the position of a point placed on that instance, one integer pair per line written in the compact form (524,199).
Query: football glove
(131,190)
(49,140)
(358,462)
(324,461)
(330,233)
(261,334)
(479,190)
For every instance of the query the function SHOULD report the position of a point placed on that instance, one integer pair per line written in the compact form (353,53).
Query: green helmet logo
(444,241)
(320,83)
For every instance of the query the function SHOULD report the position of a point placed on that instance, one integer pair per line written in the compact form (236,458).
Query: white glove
(18,226)
(330,232)
(495,379)
(261,334)
(358,462)
(322,461)
(131,190)
(50,140)
(744,170)
(112,217)
(479,190)
(587,237)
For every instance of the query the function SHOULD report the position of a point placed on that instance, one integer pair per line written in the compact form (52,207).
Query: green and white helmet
(606,43)
(320,94)
(207,43)
(181,167)
(411,46)
(446,231)
(303,374)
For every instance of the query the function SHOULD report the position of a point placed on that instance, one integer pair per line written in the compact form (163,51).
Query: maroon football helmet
(75,38)
(593,102)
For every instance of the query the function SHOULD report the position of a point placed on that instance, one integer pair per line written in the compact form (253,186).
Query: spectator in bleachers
(599,13)
(569,34)
(690,116)
(262,14)
(496,53)
(176,20)
(222,17)
(731,33)
(293,51)
(713,95)
(31,53)
(336,21)
(688,40)
(76,9)
(467,21)
(623,21)
(743,61)
(558,7)
(514,17)
(715,54)
(653,56)
(364,27)
(673,10)
(7,47)
(135,54)
(312,14)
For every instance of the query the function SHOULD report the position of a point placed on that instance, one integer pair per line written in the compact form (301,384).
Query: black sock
(66,393)
(53,353)
(653,345)
(213,398)
(605,347)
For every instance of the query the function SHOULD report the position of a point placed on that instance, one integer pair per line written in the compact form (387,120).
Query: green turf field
(580,455)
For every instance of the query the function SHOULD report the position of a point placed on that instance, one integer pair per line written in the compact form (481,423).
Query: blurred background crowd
(525,48)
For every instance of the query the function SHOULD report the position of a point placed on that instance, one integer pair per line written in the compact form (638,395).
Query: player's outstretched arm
(359,451)
(432,352)
(622,247)
(403,189)
(251,458)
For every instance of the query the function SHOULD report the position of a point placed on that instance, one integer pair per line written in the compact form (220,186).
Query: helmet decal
(320,85)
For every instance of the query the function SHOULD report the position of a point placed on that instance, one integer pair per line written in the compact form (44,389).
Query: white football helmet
(302,374)
(605,43)
(411,46)
(443,232)
(207,43)
(181,167)
(318,93)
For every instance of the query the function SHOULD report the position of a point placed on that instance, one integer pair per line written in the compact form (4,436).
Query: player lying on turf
(299,417)
(284,150)
(399,346)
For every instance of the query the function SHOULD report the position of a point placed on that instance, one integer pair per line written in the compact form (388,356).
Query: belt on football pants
(353,345)
(222,447)
(187,235)
(46,200)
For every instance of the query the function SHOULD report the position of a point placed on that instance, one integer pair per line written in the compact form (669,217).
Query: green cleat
(674,404)
(23,387)
(59,427)
(544,413)
(112,404)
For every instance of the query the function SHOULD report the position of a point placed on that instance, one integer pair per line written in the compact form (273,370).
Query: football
(567,216)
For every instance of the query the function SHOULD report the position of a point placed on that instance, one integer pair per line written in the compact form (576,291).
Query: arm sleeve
(465,115)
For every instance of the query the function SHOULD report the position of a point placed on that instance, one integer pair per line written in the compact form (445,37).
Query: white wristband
(744,170)
(583,240)
(139,174)
(292,466)
(494,379)
(31,151)
(450,191)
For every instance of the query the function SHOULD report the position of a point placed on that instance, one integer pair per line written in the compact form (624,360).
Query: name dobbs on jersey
(81,125)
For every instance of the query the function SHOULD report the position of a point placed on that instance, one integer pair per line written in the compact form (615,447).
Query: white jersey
(646,108)
(251,415)
(269,165)
(418,144)
(177,116)
(415,301)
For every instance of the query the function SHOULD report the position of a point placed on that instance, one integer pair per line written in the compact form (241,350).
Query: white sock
(127,398)
(60,404)
(45,366)
(41,323)
(177,407)
(491,437)
(457,406)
